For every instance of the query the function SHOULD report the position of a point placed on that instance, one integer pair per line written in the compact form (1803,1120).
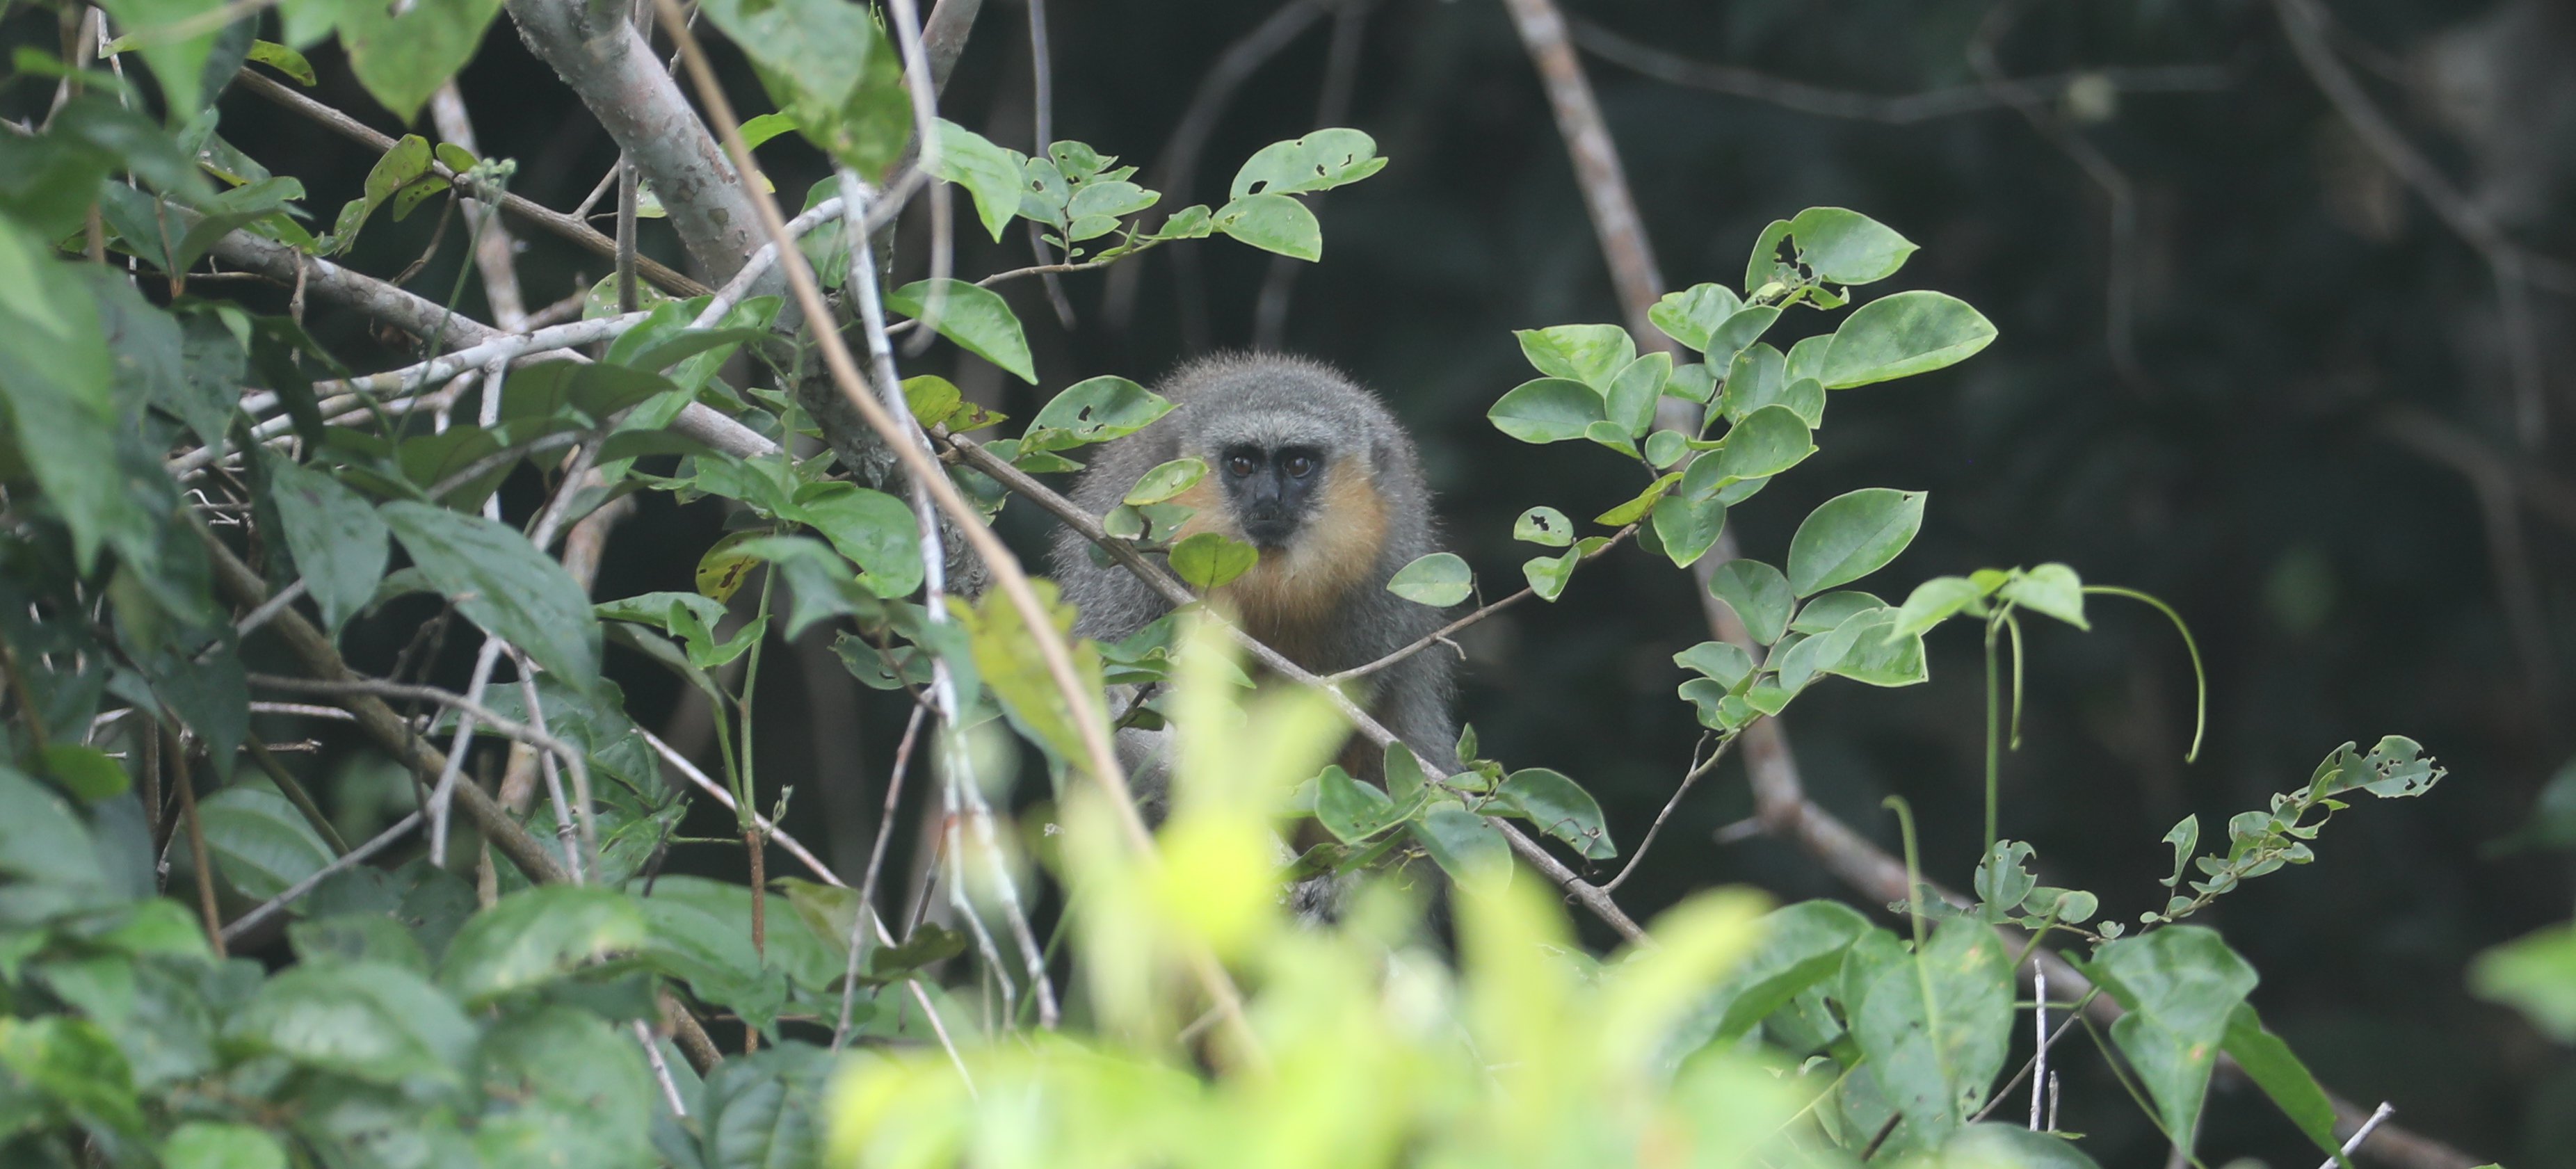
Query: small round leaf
(1438,580)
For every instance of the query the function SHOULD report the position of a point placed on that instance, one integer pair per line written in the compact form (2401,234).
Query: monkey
(1315,474)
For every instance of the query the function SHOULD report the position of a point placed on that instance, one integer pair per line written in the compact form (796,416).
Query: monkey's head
(1293,449)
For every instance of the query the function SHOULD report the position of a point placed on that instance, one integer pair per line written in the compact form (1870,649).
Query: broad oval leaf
(872,528)
(535,936)
(1093,410)
(1320,161)
(1721,662)
(1352,811)
(1847,247)
(1903,335)
(261,843)
(1933,602)
(1688,528)
(1439,580)
(1590,354)
(2052,589)
(370,1020)
(504,584)
(402,54)
(1768,441)
(1561,808)
(1166,481)
(974,317)
(1851,536)
(1689,316)
(1826,613)
(1472,851)
(990,173)
(1759,595)
(1273,223)
(1548,409)
(1210,560)
(2181,985)
(1632,393)
(338,541)
(1935,1026)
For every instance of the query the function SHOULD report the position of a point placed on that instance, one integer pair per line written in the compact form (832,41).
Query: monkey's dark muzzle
(1269,532)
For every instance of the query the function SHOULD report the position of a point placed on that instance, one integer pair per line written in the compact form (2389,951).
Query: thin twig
(1006,570)
(2378,1116)
(1442,634)
(662,275)
(1612,885)
(175,750)
(296,892)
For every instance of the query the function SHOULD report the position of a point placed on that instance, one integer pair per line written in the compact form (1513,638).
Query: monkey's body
(1330,535)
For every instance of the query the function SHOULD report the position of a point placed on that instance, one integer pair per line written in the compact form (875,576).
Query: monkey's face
(1271,489)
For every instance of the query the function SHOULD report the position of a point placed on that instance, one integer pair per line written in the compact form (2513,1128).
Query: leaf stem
(2199,675)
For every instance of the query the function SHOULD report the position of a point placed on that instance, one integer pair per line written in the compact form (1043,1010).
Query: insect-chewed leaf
(1544,526)
(1561,808)
(1093,410)
(1320,161)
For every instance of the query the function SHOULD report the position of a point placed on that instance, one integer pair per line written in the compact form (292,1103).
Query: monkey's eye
(1298,466)
(1241,465)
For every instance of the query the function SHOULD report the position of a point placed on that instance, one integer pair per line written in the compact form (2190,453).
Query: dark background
(2291,300)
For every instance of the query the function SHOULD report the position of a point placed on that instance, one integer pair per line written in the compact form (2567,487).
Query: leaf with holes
(1320,161)
(1544,526)
(1093,410)
(1273,223)
(1847,247)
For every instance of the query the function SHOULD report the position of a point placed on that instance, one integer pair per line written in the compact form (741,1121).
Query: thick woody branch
(598,52)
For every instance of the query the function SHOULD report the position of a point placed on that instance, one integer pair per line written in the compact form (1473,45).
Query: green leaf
(1763,266)
(1093,410)
(2181,985)
(1352,811)
(402,54)
(74,1062)
(284,60)
(1851,536)
(1632,393)
(2004,879)
(1665,448)
(1638,505)
(1828,612)
(1759,595)
(566,1089)
(1864,648)
(86,772)
(766,1109)
(535,936)
(261,843)
(2052,589)
(1721,662)
(338,541)
(1273,223)
(1997,1145)
(2534,974)
(1753,380)
(1005,652)
(1768,441)
(366,1020)
(503,583)
(1903,335)
(1544,526)
(1439,580)
(1547,574)
(990,173)
(2273,1067)
(1166,480)
(830,66)
(56,378)
(1545,410)
(976,318)
(1590,354)
(1935,600)
(1211,560)
(1802,946)
(1691,315)
(178,63)
(1561,808)
(872,528)
(1847,247)
(1739,332)
(200,1144)
(1472,851)
(1935,1027)
(41,839)
(1688,528)
(1320,161)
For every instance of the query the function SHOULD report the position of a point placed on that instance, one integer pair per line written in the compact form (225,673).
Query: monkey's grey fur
(1342,614)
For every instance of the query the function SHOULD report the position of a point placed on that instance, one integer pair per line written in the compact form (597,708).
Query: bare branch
(1596,161)
(2304,22)
(1894,109)
(297,891)
(553,221)
(1443,633)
